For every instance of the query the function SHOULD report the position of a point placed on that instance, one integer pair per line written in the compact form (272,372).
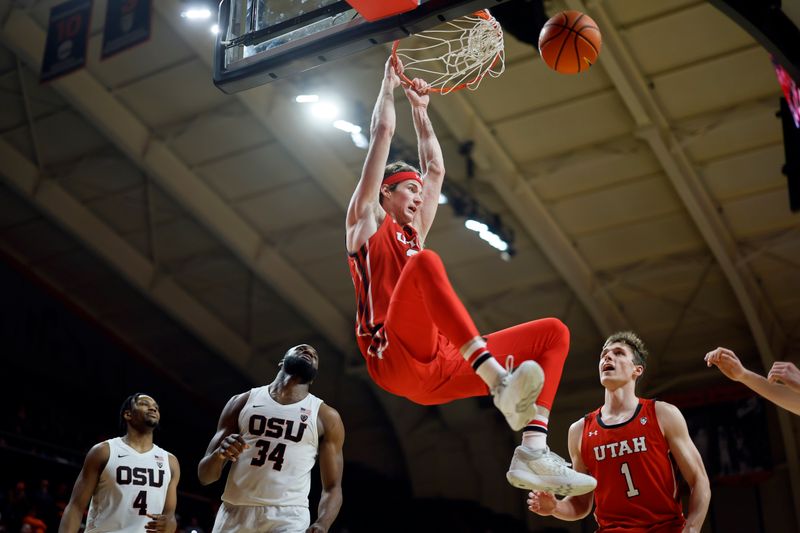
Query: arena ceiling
(646,194)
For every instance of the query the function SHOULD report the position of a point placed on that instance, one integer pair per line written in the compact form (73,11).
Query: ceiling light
(197,13)
(474,225)
(359,140)
(349,127)
(324,110)
(215,29)
(442,199)
(306,98)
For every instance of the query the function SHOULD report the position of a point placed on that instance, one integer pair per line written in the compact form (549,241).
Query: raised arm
(361,221)
(93,466)
(226,444)
(689,463)
(572,507)
(331,464)
(783,394)
(430,155)
(166,521)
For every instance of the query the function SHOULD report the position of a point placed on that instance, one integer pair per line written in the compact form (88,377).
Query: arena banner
(128,23)
(67,39)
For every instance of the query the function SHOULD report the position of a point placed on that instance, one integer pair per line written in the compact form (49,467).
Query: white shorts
(261,519)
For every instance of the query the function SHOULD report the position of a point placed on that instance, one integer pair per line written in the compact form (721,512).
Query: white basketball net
(455,55)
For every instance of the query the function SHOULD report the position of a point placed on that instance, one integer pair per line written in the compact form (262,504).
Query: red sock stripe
(538,423)
(476,353)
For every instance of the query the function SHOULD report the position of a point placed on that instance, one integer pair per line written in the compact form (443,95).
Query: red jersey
(637,491)
(375,269)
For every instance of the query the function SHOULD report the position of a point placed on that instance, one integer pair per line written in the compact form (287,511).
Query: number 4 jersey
(131,485)
(283,440)
(637,491)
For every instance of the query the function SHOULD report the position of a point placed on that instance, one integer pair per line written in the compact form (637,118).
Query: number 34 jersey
(131,485)
(637,491)
(283,442)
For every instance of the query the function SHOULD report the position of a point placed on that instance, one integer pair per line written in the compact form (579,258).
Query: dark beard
(297,367)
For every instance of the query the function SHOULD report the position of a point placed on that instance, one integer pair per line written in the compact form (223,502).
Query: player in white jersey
(132,483)
(272,435)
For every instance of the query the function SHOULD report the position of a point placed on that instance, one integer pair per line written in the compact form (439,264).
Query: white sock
(535,440)
(491,372)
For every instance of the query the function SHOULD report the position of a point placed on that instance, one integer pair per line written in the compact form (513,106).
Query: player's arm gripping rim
(572,507)
(226,444)
(689,461)
(431,160)
(331,464)
(362,213)
(166,522)
(93,466)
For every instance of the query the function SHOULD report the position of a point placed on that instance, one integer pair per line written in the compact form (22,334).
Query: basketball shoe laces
(515,395)
(524,402)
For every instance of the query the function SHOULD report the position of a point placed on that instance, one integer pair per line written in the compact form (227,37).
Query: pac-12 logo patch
(643,420)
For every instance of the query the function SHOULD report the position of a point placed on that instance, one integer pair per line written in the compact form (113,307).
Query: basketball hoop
(455,55)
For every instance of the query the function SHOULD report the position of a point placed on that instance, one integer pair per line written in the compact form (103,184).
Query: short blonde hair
(634,342)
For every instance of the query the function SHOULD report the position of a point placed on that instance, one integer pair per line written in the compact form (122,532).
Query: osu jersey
(283,443)
(131,485)
(375,269)
(637,491)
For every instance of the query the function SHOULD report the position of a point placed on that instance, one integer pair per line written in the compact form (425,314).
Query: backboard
(260,41)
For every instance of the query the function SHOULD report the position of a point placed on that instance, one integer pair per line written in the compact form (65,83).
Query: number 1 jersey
(637,491)
(283,440)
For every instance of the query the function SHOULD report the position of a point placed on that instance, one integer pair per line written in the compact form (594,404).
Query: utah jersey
(131,485)
(637,491)
(375,269)
(276,469)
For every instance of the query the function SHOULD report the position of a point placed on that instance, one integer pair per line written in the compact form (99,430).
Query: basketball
(570,42)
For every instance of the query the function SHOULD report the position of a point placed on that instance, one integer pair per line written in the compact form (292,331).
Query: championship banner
(127,24)
(67,39)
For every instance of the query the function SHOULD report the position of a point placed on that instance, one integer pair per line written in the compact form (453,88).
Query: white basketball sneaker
(546,471)
(517,392)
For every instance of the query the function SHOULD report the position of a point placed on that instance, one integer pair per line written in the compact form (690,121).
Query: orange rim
(485,15)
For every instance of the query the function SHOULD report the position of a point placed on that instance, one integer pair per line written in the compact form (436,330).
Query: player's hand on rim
(418,92)
(392,71)
(542,503)
(232,447)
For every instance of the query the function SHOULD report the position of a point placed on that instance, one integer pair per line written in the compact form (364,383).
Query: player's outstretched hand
(727,362)
(542,503)
(232,447)
(160,523)
(786,373)
(418,93)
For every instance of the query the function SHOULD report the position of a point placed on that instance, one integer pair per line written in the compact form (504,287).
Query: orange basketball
(570,42)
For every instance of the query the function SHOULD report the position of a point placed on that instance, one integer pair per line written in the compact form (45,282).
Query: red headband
(397,177)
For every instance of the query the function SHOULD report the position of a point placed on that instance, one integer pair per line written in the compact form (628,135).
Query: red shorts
(445,375)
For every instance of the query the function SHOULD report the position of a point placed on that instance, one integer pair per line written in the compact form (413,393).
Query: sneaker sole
(522,480)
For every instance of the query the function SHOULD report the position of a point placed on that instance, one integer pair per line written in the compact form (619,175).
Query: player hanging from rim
(626,444)
(414,332)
